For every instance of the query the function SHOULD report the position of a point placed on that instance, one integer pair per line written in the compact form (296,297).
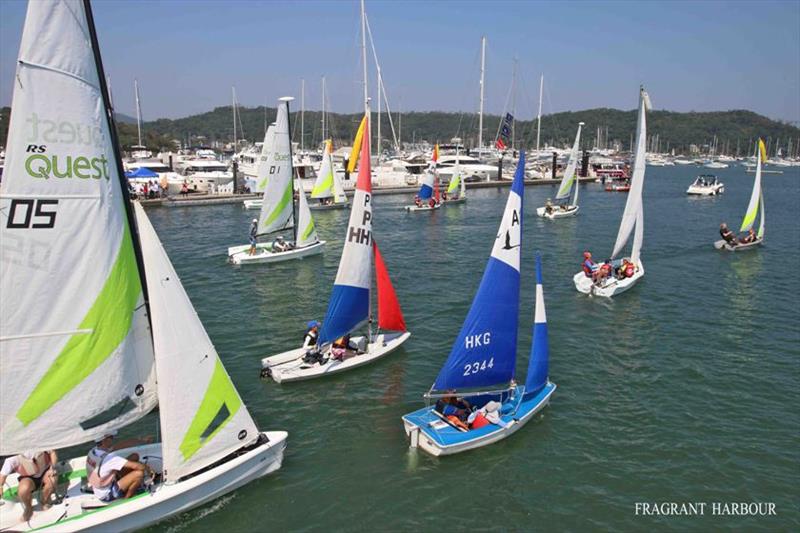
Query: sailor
(112,476)
(280,245)
(312,334)
(727,234)
(588,265)
(603,272)
(626,269)
(253,234)
(548,206)
(750,237)
(36,471)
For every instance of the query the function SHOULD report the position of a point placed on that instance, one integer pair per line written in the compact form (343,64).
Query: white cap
(112,433)
(255,221)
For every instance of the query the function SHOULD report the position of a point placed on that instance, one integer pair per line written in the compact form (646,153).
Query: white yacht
(206,175)
(471,167)
(167,178)
(706,185)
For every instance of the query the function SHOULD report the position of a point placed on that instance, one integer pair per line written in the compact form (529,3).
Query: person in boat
(184,188)
(603,272)
(444,196)
(280,245)
(36,472)
(626,269)
(253,235)
(727,234)
(488,414)
(548,206)
(588,265)
(749,237)
(417,201)
(340,349)
(451,405)
(312,334)
(112,476)
(432,203)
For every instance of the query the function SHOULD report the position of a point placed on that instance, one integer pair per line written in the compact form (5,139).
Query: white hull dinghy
(490,406)
(632,222)
(569,180)
(100,351)
(283,207)
(349,305)
(328,187)
(706,185)
(253,204)
(420,208)
(754,208)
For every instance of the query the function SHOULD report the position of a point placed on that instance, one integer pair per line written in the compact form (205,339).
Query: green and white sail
(633,215)
(756,198)
(203,418)
(570,174)
(323,185)
(262,175)
(276,208)
(76,354)
(306,231)
(455,180)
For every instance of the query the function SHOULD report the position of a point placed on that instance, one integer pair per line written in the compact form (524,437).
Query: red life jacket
(629,270)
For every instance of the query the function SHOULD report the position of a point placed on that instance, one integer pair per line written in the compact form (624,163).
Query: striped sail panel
(539,362)
(276,207)
(263,166)
(202,416)
(349,303)
(485,350)
(76,356)
(634,201)
(323,186)
(570,175)
(755,197)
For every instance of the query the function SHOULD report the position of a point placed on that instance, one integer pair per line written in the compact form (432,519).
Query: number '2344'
(30,213)
(478,366)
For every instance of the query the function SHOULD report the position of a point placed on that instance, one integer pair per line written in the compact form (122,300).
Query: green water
(684,389)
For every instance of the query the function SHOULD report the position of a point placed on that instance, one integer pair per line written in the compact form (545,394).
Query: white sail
(323,185)
(306,231)
(755,199)
(203,418)
(262,176)
(338,190)
(638,237)
(276,208)
(763,216)
(570,175)
(634,202)
(76,356)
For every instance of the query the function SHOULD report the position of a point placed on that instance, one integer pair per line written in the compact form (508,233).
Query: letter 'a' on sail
(263,164)
(349,304)
(390,316)
(323,186)
(73,323)
(538,365)
(202,416)
(276,207)
(485,350)
(756,198)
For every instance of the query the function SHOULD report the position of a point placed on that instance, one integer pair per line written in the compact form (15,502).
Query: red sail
(390,317)
(436,188)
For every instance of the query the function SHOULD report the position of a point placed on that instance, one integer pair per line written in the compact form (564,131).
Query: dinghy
(281,200)
(350,304)
(563,210)
(480,368)
(755,206)
(457,183)
(632,221)
(328,187)
(427,198)
(262,173)
(95,326)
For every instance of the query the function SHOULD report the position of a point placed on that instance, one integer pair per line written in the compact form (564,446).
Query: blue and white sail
(349,304)
(485,350)
(426,189)
(538,365)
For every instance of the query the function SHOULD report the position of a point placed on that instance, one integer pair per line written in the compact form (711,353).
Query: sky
(691,56)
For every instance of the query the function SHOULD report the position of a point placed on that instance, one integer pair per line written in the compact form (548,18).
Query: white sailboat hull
(239,255)
(328,207)
(162,502)
(557,212)
(289,366)
(610,288)
(416,208)
(253,204)
(723,245)
(461,200)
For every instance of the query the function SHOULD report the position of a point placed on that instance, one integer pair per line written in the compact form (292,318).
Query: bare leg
(48,488)
(25,495)
(130,482)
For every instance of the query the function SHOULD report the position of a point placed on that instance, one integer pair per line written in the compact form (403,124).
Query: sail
(436,195)
(638,238)
(276,208)
(338,190)
(390,316)
(570,176)
(538,365)
(76,356)
(634,202)
(426,190)
(763,215)
(349,303)
(755,196)
(454,182)
(263,161)
(203,418)
(323,186)
(306,231)
(485,350)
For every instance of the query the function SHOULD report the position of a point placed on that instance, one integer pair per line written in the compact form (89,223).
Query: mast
(138,111)
(323,109)
(364,59)
(380,84)
(480,111)
(233,105)
(112,128)
(302,112)
(539,114)
(514,101)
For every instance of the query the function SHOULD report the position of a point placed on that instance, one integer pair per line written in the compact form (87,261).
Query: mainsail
(263,161)
(633,205)
(277,209)
(75,349)
(570,175)
(485,350)
(323,185)
(756,197)
(203,419)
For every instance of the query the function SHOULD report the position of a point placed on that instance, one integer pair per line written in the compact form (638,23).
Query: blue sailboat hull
(428,431)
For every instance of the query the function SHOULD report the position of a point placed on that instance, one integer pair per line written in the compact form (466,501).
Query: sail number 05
(478,366)
(30,213)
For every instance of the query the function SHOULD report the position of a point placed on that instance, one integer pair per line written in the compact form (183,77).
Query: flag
(763,150)
(351,165)
(505,132)
(436,153)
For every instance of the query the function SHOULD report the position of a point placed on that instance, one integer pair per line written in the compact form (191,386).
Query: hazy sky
(690,55)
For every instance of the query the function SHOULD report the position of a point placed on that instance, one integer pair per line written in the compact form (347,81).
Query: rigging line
(382,87)
(503,114)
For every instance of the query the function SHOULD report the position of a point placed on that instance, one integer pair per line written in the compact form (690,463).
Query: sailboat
(280,202)
(457,183)
(328,187)
(481,365)
(95,325)
(756,204)
(632,220)
(350,303)
(262,173)
(427,199)
(566,186)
